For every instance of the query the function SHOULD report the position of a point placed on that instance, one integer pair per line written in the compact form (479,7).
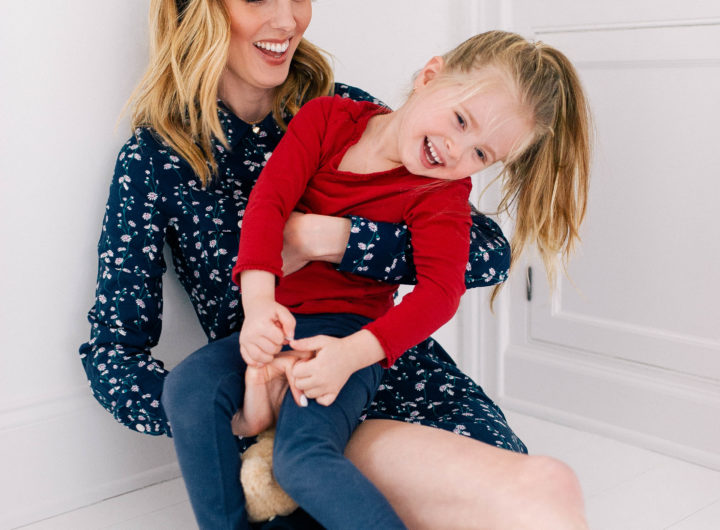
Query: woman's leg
(438,479)
(200,397)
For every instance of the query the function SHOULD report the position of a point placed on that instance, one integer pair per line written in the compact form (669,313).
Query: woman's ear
(433,67)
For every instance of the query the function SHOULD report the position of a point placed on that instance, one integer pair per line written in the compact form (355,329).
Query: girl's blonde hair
(177,96)
(547,180)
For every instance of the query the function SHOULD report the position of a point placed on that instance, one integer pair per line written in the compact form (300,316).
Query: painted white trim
(620,26)
(64,452)
(633,437)
(57,505)
(26,413)
(644,389)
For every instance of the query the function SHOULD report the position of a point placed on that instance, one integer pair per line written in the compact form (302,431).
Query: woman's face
(264,37)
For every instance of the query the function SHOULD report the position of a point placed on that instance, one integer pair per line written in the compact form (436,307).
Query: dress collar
(236,129)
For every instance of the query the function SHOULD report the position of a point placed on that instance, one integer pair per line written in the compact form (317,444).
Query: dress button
(255,129)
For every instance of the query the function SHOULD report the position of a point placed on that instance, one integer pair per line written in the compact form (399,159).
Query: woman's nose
(283,16)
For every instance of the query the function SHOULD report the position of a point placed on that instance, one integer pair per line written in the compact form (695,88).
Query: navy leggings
(200,397)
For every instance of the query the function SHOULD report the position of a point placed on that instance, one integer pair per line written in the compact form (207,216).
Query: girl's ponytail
(547,184)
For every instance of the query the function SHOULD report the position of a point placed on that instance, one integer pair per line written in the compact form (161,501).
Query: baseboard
(62,454)
(658,410)
(91,495)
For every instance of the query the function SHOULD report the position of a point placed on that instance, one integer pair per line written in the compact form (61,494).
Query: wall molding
(65,452)
(46,508)
(622,26)
(638,404)
(30,412)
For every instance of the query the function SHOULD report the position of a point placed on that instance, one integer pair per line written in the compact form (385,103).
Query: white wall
(67,69)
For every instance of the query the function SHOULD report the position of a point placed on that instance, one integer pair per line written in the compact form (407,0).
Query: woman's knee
(553,490)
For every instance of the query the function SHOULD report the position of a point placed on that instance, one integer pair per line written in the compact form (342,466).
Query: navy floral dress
(156,199)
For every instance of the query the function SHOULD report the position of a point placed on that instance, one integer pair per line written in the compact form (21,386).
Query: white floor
(626,488)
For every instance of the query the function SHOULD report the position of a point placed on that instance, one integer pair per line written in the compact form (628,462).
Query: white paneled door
(630,345)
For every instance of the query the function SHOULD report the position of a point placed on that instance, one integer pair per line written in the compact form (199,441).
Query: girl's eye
(480,153)
(460,120)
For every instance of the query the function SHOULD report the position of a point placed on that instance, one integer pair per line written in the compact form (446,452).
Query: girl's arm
(267,324)
(126,316)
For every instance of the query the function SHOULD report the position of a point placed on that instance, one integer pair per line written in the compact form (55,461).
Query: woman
(187,183)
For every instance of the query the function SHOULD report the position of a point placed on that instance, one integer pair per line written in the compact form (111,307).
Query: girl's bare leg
(256,414)
(437,479)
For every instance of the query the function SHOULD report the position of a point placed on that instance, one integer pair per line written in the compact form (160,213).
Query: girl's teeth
(435,156)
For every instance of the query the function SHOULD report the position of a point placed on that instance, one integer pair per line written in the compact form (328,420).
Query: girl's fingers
(275,334)
(258,356)
(302,369)
(326,400)
(310,343)
(267,345)
(287,322)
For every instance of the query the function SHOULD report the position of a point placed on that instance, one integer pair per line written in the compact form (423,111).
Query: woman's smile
(273,51)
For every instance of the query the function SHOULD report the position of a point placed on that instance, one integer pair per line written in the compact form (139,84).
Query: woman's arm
(126,317)
(384,250)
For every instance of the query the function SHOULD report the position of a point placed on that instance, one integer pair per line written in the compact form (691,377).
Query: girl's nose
(283,16)
(452,148)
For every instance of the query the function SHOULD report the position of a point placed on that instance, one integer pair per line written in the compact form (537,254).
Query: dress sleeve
(384,251)
(439,222)
(125,321)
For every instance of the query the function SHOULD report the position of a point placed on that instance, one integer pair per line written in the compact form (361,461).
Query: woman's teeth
(274,47)
(430,153)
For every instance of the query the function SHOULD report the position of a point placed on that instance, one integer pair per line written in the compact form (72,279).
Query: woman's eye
(480,153)
(460,120)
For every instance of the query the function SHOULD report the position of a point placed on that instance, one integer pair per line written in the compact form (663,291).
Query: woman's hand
(310,237)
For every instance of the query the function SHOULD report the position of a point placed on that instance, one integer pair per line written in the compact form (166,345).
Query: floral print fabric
(155,199)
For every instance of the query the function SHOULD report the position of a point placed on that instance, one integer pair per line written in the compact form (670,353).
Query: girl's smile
(441,133)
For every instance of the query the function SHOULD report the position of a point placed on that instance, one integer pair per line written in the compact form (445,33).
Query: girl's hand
(266,328)
(323,376)
(310,237)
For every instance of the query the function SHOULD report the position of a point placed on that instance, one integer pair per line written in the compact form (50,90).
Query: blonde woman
(224,79)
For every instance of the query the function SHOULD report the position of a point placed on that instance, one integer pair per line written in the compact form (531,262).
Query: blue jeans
(200,397)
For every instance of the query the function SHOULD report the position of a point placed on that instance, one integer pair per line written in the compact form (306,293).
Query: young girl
(495,98)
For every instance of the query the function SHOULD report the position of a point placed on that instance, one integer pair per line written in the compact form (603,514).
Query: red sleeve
(439,223)
(278,189)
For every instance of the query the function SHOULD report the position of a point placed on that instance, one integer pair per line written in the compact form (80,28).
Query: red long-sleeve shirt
(302,175)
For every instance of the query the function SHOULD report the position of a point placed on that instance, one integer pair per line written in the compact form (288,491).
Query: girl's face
(264,37)
(446,137)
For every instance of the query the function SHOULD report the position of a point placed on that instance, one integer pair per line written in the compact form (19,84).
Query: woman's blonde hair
(546,180)
(177,96)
